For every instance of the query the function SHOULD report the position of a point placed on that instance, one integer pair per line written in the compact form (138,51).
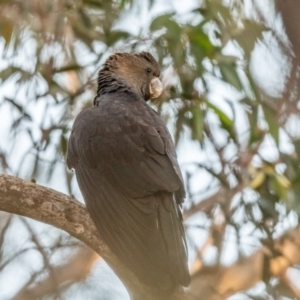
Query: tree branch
(64,212)
(220,282)
(62,277)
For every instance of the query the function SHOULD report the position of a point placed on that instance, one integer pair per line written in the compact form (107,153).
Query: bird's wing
(130,144)
(127,170)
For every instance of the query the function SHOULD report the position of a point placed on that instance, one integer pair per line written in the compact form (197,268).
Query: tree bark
(64,212)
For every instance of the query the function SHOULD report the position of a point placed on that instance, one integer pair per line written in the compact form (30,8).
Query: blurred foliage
(52,50)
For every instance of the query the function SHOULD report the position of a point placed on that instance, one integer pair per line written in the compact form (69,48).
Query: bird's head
(137,71)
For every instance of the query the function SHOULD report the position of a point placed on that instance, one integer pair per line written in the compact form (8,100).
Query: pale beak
(155,87)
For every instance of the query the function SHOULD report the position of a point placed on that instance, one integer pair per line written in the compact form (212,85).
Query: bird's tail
(170,219)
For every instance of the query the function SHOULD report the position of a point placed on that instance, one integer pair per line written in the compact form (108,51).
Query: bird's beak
(155,87)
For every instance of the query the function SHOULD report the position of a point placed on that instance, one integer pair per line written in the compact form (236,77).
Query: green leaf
(94,3)
(226,122)
(116,36)
(200,38)
(258,180)
(197,122)
(226,59)
(73,67)
(200,45)
(166,21)
(63,144)
(280,190)
(271,118)
(230,75)
(222,116)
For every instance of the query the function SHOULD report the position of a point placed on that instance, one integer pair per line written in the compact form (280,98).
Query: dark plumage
(127,171)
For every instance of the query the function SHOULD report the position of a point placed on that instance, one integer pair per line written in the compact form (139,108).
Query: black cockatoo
(127,171)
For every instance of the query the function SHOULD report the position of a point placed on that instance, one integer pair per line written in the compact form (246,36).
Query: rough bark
(64,212)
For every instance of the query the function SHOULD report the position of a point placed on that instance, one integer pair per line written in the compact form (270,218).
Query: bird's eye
(149,70)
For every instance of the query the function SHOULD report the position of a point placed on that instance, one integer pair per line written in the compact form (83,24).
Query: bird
(127,171)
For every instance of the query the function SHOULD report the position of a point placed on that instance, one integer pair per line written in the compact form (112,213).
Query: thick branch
(59,210)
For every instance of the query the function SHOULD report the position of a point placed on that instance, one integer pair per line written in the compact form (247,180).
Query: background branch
(63,276)
(220,282)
